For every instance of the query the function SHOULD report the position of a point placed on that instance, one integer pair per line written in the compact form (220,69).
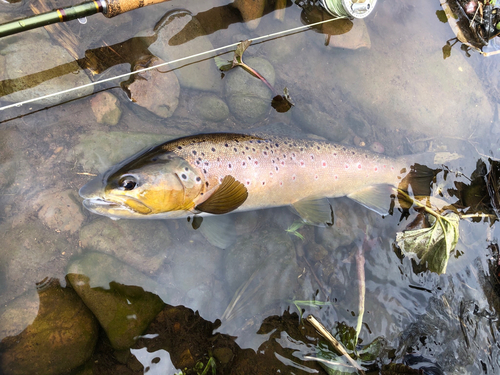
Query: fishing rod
(109,8)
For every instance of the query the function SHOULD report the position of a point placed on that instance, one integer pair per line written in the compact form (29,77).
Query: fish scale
(279,171)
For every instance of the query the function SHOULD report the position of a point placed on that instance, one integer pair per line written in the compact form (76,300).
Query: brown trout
(223,172)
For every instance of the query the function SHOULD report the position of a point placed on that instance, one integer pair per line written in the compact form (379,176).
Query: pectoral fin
(228,196)
(376,198)
(316,211)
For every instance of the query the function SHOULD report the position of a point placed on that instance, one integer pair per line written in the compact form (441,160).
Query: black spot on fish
(213,149)
(277,144)
(183,176)
(198,179)
(186,169)
(253,149)
(194,152)
(229,165)
(246,147)
(206,183)
(302,149)
(218,159)
(343,148)
(226,145)
(202,154)
(267,148)
(318,147)
(259,141)
(265,153)
(179,147)
(199,159)
(198,162)
(353,153)
(205,171)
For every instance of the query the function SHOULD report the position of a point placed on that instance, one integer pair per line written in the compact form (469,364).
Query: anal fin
(316,211)
(227,197)
(376,197)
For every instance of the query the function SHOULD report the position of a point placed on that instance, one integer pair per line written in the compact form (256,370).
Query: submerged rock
(106,108)
(116,294)
(211,108)
(249,99)
(179,35)
(142,244)
(60,210)
(251,11)
(60,338)
(97,151)
(28,254)
(157,90)
(312,119)
(53,70)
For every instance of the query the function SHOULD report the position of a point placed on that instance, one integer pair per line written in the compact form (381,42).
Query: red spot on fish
(282,163)
(347,166)
(336,177)
(244,164)
(256,162)
(316,177)
(359,166)
(294,178)
(248,182)
(385,166)
(392,168)
(281,183)
(323,163)
(375,169)
(271,174)
(263,183)
(302,164)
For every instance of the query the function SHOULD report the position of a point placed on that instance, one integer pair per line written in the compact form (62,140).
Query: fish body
(225,172)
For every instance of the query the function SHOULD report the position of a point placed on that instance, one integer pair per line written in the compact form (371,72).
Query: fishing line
(269,36)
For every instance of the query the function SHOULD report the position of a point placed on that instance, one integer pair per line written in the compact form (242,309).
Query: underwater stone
(53,70)
(156,90)
(179,34)
(312,119)
(211,108)
(97,151)
(141,244)
(106,108)
(249,99)
(29,253)
(251,11)
(116,294)
(60,338)
(60,210)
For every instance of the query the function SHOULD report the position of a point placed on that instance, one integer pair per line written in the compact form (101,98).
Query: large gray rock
(34,67)
(117,295)
(249,99)
(60,338)
(141,244)
(97,151)
(179,35)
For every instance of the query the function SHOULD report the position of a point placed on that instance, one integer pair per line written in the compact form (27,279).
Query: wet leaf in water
(282,103)
(446,51)
(441,15)
(433,245)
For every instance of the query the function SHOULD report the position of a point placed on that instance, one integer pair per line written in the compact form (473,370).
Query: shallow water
(396,92)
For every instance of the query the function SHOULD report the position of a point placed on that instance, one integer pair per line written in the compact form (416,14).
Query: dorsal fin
(228,196)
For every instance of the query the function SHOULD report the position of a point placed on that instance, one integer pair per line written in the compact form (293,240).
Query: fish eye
(127,183)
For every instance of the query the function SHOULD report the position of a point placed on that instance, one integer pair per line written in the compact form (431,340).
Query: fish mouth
(97,204)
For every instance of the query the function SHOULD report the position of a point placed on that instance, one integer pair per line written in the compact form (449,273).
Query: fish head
(155,185)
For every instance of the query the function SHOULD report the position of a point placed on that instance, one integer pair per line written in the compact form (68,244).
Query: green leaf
(238,54)
(432,246)
(296,225)
(446,51)
(223,64)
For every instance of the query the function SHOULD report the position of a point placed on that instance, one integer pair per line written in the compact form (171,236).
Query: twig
(332,340)
(360,266)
